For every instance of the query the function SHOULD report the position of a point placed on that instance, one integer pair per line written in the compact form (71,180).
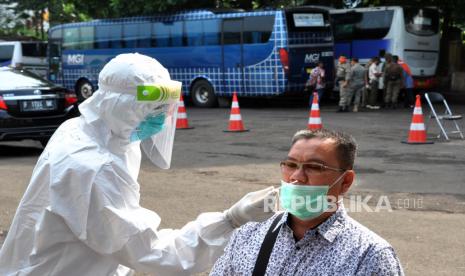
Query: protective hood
(132,87)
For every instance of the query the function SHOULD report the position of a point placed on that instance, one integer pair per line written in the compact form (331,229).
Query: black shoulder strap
(266,248)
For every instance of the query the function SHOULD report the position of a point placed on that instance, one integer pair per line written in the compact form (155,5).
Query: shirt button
(297,248)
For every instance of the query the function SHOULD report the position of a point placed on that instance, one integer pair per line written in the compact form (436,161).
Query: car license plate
(38,105)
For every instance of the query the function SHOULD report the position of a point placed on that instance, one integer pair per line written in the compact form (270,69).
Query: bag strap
(266,248)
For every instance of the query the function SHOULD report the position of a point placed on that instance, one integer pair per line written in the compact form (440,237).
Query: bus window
(34,49)
(308,26)
(211,32)
(375,25)
(108,36)
(71,38)
(143,39)
(232,31)
(367,25)
(86,40)
(194,33)
(130,35)
(421,21)
(260,31)
(161,34)
(102,41)
(176,34)
(167,34)
(116,36)
(257,29)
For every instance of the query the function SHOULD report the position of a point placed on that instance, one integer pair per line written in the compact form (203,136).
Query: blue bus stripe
(362,49)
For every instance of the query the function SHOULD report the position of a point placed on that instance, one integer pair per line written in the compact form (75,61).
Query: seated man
(317,237)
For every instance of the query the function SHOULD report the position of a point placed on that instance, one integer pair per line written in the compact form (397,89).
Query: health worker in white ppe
(80,214)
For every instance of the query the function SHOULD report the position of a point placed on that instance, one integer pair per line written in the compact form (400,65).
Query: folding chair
(434,98)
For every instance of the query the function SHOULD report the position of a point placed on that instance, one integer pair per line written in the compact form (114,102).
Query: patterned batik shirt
(338,246)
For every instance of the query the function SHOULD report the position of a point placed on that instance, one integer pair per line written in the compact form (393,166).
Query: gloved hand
(254,206)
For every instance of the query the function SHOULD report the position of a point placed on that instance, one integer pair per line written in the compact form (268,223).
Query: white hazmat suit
(80,214)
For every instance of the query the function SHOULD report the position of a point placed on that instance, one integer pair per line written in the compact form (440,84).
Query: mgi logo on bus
(312,58)
(76,59)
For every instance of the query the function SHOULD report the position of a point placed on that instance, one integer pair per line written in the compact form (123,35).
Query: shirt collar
(330,228)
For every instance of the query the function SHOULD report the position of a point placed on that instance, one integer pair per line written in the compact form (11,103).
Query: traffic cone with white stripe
(417,133)
(235,119)
(182,122)
(314,119)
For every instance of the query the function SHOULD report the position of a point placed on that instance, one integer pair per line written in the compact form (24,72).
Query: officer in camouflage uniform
(393,78)
(342,74)
(355,83)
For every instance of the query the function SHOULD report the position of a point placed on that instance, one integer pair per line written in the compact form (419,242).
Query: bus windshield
(308,26)
(423,22)
(362,25)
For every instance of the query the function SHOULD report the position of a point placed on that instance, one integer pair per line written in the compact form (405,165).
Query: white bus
(29,55)
(410,33)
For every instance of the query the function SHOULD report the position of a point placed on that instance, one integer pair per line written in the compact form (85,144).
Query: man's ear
(347,181)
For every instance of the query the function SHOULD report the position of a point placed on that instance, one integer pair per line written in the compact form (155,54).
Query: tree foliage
(63,11)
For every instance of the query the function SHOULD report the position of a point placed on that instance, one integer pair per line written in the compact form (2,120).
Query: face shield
(136,101)
(164,98)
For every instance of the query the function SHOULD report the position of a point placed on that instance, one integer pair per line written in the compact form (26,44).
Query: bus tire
(203,95)
(84,90)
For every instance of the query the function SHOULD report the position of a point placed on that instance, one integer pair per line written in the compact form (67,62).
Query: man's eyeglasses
(310,168)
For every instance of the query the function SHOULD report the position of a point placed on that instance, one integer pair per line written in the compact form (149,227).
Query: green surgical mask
(305,201)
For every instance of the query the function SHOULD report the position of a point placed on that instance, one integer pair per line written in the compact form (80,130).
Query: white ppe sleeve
(117,226)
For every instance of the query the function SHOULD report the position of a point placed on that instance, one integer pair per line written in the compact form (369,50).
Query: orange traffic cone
(181,122)
(314,119)
(417,133)
(235,119)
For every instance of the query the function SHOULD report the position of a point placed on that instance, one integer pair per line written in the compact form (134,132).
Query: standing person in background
(317,81)
(381,83)
(374,74)
(366,88)
(355,82)
(393,79)
(342,73)
(408,84)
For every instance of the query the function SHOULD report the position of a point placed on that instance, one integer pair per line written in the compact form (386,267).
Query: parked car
(32,107)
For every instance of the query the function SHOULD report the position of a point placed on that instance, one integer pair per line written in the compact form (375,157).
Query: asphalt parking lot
(425,184)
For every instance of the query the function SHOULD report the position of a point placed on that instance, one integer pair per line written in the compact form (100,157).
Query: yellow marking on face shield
(148,93)
(159,92)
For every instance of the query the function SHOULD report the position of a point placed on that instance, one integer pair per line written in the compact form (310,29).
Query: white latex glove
(254,206)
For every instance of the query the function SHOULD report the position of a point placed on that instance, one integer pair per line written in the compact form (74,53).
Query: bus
(213,53)
(29,55)
(408,32)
